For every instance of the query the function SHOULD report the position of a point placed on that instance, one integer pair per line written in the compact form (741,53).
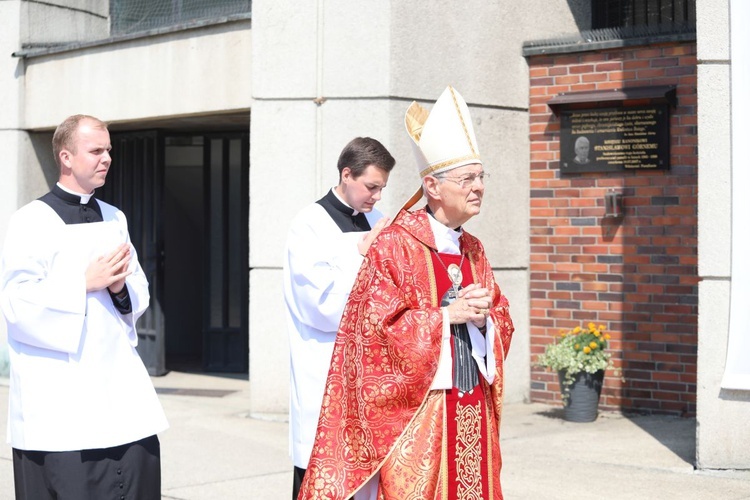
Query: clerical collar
(345,208)
(341,213)
(83,199)
(446,239)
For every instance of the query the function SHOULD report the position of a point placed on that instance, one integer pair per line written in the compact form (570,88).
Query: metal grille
(130,16)
(636,13)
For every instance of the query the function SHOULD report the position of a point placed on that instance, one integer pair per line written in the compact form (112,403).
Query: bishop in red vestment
(414,392)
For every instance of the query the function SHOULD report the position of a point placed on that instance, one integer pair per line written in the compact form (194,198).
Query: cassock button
(121,485)
(119,471)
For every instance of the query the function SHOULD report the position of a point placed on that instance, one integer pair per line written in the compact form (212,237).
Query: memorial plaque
(614,139)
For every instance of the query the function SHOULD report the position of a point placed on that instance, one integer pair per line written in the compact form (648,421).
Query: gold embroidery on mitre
(415,118)
(438,166)
(469,451)
(463,123)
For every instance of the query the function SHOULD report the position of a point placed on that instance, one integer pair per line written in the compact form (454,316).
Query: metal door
(225,327)
(134,185)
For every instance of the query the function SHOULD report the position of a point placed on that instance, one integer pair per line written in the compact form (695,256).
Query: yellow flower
(587,349)
(592,327)
(593,345)
(577,347)
(597,333)
(601,327)
(606,336)
(577,330)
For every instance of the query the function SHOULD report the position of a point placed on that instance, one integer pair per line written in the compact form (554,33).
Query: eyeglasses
(467,180)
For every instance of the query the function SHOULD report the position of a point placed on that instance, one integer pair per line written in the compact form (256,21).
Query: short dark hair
(362,152)
(65,134)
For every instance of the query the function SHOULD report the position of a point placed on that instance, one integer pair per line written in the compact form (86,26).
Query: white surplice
(320,267)
(76,380)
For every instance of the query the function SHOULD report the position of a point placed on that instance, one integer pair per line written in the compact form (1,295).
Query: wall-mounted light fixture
(613,204)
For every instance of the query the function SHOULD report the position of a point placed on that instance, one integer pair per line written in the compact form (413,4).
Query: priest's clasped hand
(472,305)
(364,244)
(109,271)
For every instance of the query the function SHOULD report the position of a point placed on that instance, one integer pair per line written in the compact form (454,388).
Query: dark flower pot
(582,400)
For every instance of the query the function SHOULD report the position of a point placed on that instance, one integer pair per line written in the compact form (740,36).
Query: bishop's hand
(471,305)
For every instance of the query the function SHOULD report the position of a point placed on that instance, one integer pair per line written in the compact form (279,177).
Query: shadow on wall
(581,10)
(734,395)
(40,170)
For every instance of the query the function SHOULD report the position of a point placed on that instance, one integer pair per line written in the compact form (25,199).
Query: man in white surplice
(82,414)
(325,248)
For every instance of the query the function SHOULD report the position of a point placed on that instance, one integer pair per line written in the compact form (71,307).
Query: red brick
(636,64)
(645,74)
(665,61)
(607,66)
(620,75)
(583,68)
(583,87)
(594,77)
(558,70)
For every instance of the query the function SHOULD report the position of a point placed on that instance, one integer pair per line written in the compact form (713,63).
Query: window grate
(132,16)
(636,13)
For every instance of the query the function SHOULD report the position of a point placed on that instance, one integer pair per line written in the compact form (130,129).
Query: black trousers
(299,475)
(130,471)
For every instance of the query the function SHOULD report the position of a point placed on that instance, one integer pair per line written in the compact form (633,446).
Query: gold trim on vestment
(488,422)
(433,280)
(468,452)
(444,451)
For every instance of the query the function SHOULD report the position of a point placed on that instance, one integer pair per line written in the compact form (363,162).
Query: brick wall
(637,275)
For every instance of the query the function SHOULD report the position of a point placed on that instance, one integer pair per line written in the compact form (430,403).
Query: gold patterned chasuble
(379,414)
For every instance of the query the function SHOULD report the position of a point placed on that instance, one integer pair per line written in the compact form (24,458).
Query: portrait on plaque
(581,149)
(614,139)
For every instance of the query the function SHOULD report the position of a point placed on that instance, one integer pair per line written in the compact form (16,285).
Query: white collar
(446,239)
(84,197)
(333,189)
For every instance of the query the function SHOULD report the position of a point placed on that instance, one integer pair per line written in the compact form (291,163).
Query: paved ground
(214,451)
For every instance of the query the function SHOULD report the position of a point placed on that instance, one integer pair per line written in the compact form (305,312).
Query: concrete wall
(11,85)
(185,73)
(718,446)
(365,62)
(299,56)
(62,21)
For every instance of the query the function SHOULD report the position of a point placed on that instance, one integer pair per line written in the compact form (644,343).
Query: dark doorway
(188,205)
(134,185)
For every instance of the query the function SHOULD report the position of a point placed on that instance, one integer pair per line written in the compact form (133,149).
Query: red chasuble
(378,412)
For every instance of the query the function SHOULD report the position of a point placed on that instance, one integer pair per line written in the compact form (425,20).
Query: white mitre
(443,138)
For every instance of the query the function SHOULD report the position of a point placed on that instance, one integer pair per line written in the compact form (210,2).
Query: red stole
(465,450)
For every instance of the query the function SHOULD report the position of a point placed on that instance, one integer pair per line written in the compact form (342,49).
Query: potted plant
(580,358)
